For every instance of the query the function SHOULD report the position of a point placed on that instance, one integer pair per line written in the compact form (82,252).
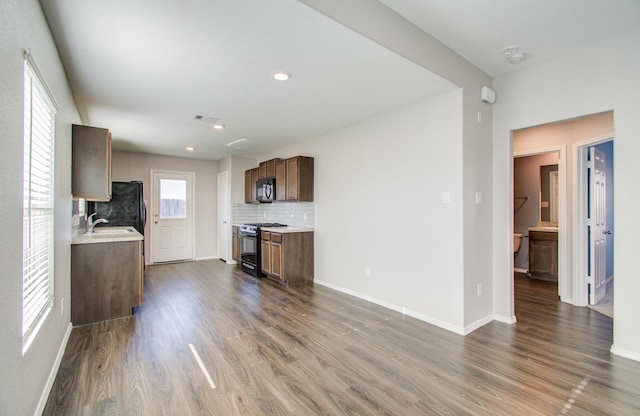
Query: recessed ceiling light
(235,142)
(281,75)
(189,148)
(218,126)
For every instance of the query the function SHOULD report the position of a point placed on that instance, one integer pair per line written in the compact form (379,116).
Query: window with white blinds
(38,204)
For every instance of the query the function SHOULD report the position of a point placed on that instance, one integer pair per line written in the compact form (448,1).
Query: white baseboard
(206,258)
(425,318)
(477,324)
(519,270)
(54,371)
(505,319)
(625,353)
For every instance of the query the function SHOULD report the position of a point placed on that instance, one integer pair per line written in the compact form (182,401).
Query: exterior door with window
(172,226)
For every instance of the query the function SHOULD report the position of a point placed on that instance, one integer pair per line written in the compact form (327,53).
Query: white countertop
(285,230)
(545,229)
(109,235)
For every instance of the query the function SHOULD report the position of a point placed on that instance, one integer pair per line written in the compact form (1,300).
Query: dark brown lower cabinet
(543,255)
(235,249)
(288,257)
(106,280)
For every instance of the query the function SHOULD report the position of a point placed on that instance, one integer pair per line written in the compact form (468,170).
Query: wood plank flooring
(314,351)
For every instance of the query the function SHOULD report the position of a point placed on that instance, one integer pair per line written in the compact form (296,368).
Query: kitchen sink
(107,231)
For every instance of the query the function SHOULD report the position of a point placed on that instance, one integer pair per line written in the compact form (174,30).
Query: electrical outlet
(304,216)
(264,214)
(446,197)
(367,272)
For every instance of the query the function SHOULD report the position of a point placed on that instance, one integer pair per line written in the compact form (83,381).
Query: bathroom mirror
(549,193)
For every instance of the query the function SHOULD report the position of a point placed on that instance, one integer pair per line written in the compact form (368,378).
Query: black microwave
(266,189)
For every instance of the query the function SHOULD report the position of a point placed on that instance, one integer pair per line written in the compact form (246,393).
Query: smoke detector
(514,54)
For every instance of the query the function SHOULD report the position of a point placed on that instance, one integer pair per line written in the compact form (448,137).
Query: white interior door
(172,225)
(597,226)
(224,224)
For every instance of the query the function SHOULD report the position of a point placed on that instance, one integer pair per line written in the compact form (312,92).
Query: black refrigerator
(126,207)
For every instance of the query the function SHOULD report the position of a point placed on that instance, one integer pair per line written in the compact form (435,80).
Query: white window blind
(38,203)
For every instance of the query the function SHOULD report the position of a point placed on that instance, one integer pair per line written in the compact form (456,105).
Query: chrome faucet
(91,223)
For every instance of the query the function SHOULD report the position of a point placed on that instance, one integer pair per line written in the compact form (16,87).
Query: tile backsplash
(78,216)
(294,214)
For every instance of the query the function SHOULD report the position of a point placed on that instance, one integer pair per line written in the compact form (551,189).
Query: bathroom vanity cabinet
(543,255)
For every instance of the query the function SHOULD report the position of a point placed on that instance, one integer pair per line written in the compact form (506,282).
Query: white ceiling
(145,68)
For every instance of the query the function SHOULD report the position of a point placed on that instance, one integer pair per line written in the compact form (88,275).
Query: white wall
(22,26)
(379,205)
(238,166)
(589,80)
(129,166)
(409,41)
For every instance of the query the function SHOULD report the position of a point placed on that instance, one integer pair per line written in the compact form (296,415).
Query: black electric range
(250,246)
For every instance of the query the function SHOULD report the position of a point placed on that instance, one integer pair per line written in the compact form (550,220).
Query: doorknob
(156,221)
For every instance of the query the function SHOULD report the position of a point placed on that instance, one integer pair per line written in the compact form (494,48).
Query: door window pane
(173,199)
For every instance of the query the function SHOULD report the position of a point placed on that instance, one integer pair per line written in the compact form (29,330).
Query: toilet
(517,240)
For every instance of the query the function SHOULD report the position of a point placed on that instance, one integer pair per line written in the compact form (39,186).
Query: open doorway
(536,209)
(595,182)
(577,135)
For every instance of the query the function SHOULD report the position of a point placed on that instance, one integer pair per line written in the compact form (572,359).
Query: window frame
(38,217)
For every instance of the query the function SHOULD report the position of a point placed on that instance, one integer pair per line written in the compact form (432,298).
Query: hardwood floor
(314,351)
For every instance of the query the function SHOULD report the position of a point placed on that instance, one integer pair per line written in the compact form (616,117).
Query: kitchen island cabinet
(91,163)
(107,277)
(287,255)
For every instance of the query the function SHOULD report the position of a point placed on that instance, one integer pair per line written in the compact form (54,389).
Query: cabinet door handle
(608,232)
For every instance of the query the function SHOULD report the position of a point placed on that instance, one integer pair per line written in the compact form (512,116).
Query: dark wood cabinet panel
(288,257)
(250,178)
(267,169)
(299,179)
(294,179)
(235,249)
(543,255)
(106,280)
(265,250)
(281,180)
(275,254)
(91,163)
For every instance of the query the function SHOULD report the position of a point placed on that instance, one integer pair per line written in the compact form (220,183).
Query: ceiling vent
(206,119)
